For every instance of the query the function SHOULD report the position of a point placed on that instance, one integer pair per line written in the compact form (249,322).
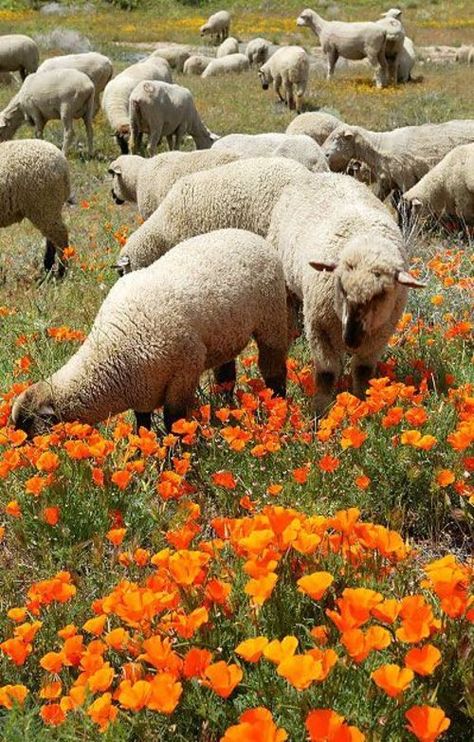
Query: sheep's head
(305,18)
(339,148)
(366,289)
(124,171)
(33,411)
(265,82)
(204,29)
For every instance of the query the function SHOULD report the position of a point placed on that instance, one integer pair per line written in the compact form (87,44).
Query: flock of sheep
(238,235)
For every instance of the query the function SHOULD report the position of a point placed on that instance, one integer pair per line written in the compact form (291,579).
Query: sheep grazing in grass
(258,51)
(96,66)
(47,96)
(163,110)
(317,125)
(229,46)
(347,266)
(232,63)
(287,68)
(34,185)
(160,328)
(175,54)
(391,22)
(297,147)
(217,26)
(196,64)
(349,40)
(18,53)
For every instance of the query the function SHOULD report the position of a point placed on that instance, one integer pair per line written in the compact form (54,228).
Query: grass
(229,494)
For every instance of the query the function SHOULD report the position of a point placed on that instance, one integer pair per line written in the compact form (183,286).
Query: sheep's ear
(320,266)
(348,134)
(115,170)
(406,279)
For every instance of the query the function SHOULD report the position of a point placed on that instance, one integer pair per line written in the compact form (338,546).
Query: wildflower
(328,463)
(50,691)
(102,679)
(116,535)
(13,509)
(95,625)
(222,678)
(102,712)
(255,725)
(195,662)
(165,693)
(352,437)
(16,649)
(117,638)
(423,660)
(51,516)
(47,462)
(427,723)
(52,662)
(121,479)
(134,696)
(325,725)
(224,479)
(52,714)
(261,589)
(277,650)
(445,477)
(300,670)
(252,649)
(362,481)
(315,584)
(301,474)
(10,694)
(392,679)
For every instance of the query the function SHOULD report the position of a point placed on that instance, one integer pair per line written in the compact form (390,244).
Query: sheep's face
(264,81)
(204,30)
(33,410)
(304,18)
(339,149)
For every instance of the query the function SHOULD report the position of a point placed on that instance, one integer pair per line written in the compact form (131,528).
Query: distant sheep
(317,125)
(287,68)
(394,42)
(160,328)
(229,46)
(196,64)
(217,26)
(462,53)
(297,147)
(175,54)
(18,53)
(96,66)
(258,51)
(232,63)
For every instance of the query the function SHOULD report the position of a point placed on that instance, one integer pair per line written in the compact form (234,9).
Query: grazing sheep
(196,64)
(406,61)
(349,40)
(462,54)
(217,26)
(46,96)
(288,67)
(354,300)
(394,44)
(147,182)
(175,54)
(160,328)
(229,46)
(241,194)
(18,53)
(258,51)
(163,110)
(447,189)
(115,100)
(96,66)
(297,147)
(232,63)
(316,125)
(34,185)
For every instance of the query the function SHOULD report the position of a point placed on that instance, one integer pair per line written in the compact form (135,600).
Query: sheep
(288,67)
(160,109)
(399,157)
(96,66)
(217,26)
(258,51)
(18,53)
(353,302)
(160,328)
(232,63)
(462,53)
(45,96)
(115,100)
(447,189)
(406,61)
(229,46)
(241,194)
(394,44)
(349,40)
(297,147)
(470,58)
(146,182)
(196,64)
(175,54)
(317,125)
(34,185)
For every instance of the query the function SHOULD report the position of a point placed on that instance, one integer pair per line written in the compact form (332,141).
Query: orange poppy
(116,535)
(165,693)
(222,678)
(10,694)
(117,638)
(445,477)
(255,725)
(134,696)
(277,650)
(325,725)
(423,660)
(95,625)
(50,691)
(121,479)
(427,723)
(392,679)
(261,589)
(300,670)
(52,714)
(102,679)
(252,649)
(328,463)
(224,479)
(315,584)
(195,662)
(51,516)
(52,662)
(102,712)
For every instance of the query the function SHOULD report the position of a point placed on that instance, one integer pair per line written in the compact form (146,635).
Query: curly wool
(297,147)
(233,63)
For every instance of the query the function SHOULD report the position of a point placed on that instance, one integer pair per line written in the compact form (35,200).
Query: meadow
(250,576)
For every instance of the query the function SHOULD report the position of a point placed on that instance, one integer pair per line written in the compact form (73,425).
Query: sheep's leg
(289,99)
(333,56)
(49,256)
(68,138)
(39,123)
(277,88)
(179,397)
(362,371)
(327,368)
(56,241)
(272,365)
(299,99)
(87,119)
(169,139)
(379,62)
(143,420)
(178,136)
(225,376)
(153,142)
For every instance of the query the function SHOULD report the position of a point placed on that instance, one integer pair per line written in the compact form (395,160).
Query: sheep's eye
(377,274)
(350,267)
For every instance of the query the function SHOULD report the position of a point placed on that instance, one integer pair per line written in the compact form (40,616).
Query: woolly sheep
(96,66)
(317,125)
(34,185)
(217,26)
(196,64)
(160,328)
(18,53)
(115,100)
(241,194)
(447,189)
(163,110)
(288,67)
(232,63)
(258,51)
(297,147)
(354,300)
(175,54)
(229,46)
(349,40)
(146,182)
(394,42)
(46,96)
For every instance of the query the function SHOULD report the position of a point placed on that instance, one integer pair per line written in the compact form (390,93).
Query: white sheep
(297,147)
(34,185)
(258,51)
(175,54)
(447,189)
(160,328)
(462,53)
(394,44)
(232,63)
(229,46)
(241,194)
(407,61)
(196,64)
(146,182)
(96,66)
(344,259)
(217,26)
(18,53)
(115,100)
(160,109)
(349,40)
(317,125)
(46,96)
(287,68)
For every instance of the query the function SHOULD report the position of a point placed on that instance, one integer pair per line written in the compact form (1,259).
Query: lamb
(394,44)
(258,51)
(34,185)
(317,125)
(45,96)
(288,67)
(241,194)
(232,63)
(18,53)
(297,147)
(349,40)
(196,64)
(447,189)
(229,46)
(160,328)
(217,26)
(353,302)
(96,66)
(146,182)
(175,54)
(115,100)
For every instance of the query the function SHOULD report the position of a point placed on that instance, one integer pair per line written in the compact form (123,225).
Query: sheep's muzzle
(353,331)
(117,200)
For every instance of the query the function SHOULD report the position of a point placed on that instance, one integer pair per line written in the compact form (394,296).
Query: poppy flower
(252,649)
(102,679)
(224,479)
(165,693)
(423,660)
(328,463)
(427,723)
(52,714)
(10,694)
(315,584)
(300,670)
(261,589)
(325,725)
(102,712)
(121,479)
(195,662)
(52,662)
(51,516)
(50,691)
(222,678)
(392,679)
(255,725)
(445,477)
(116,535)
(95,625)
(277,650)
(134,696)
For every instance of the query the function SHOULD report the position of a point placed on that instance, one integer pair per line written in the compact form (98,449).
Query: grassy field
(247,524)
